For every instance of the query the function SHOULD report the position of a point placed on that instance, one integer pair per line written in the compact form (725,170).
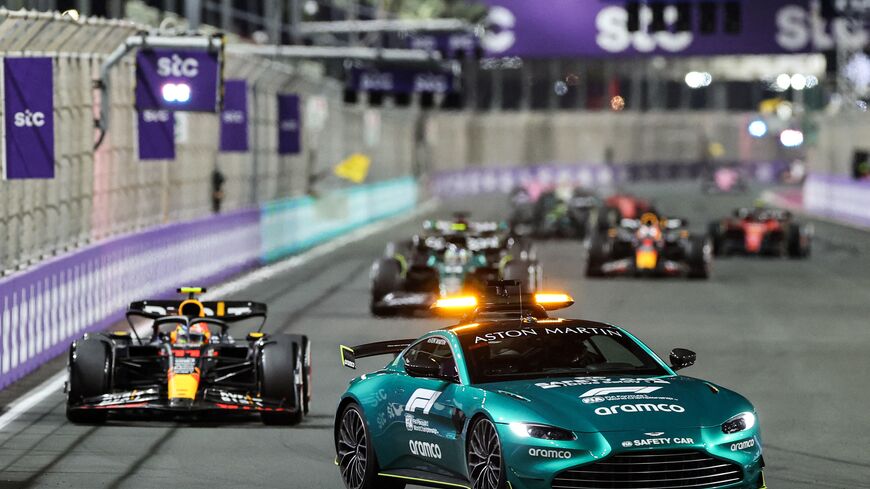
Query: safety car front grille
(660,469)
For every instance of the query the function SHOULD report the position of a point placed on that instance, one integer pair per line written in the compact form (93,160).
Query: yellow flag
(354,168)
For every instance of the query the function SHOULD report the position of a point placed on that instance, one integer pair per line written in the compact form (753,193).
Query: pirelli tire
(527,272)
(90,372)
(714,230)
(798,243)
(305,350)
(597,255)
(281,379)
(699,257)
(386,277)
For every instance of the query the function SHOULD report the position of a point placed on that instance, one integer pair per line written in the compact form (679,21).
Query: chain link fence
(99,194)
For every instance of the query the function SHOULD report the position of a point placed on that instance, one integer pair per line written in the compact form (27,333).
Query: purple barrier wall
(838,197)
(43,309)
(471,181)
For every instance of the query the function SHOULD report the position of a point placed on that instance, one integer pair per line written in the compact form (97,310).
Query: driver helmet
(199,333)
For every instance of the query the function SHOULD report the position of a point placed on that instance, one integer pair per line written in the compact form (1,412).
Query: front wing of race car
(210,399)
(654,267)
(406,301)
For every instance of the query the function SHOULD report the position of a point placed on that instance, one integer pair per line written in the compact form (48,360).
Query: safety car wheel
(386,278)
(89,376)
(486,467)
(280,363)
(355,455)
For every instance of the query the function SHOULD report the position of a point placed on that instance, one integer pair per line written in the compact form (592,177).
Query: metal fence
(103,193)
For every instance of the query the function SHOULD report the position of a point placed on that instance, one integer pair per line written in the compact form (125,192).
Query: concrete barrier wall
(461,140)
(44,308)
(100,194)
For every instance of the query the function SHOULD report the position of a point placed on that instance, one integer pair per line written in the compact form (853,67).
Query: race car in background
(570,213)
(649,246)
(512,398)
(724,179)
(189,363)
(761,231)
(627,206)
(448,258)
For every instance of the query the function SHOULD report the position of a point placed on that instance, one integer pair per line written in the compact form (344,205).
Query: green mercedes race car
(511,398)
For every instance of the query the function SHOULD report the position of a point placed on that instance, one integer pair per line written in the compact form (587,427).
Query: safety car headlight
(543,432)
(741,422)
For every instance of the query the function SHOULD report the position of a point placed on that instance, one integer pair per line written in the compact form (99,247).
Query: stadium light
(757,128)
(791,138)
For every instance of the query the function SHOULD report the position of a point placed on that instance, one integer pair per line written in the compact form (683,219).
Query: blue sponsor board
(29,118)
(181,80)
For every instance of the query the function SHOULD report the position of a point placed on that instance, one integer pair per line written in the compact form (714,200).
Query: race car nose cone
(181,403)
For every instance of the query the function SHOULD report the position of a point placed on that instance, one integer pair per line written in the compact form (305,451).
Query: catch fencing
(96,195)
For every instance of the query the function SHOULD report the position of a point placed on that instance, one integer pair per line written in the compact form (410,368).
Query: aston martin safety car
(189,363)
(761,230)
(449,257)
(512,398)
(650,246)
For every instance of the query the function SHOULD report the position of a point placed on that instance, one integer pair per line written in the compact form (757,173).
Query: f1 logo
(422,399)
(606,391)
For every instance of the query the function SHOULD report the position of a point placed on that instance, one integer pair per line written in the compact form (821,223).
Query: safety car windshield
(554,351)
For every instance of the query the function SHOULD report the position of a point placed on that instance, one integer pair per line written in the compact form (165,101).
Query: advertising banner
(289,124)
(176,79)
(234,117)
(29,124)
(571,28)
(156,135)
(400,81)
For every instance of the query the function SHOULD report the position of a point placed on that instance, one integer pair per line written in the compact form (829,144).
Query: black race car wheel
(486,468)
(89,376)
(714,231)
(798,245)
(305,350)
(355,456)
(386,278)
(280,363)
(699,257)
(597,256)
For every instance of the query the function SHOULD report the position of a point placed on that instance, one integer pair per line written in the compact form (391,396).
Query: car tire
(305,350)
(713,230)
(90,367)
(355,456)
(596,256)
(386,278)
(280,363)
(797,247)
(484,456)
(699,257)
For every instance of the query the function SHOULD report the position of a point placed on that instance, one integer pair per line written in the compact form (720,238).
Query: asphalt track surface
(793,336)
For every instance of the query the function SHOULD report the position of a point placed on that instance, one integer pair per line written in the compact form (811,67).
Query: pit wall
(47,306)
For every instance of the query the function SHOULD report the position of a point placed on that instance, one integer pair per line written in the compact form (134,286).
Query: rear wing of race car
(349,355)
(228,311)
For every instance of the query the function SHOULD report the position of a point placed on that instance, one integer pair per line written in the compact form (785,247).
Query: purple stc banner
(289,124)
(156,135)
(400,81)
(234,116)
(29,114)
(570,28)
(177,79)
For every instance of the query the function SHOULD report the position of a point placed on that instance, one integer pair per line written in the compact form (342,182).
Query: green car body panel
(412,431)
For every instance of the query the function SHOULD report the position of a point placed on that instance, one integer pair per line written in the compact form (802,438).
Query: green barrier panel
(292,225)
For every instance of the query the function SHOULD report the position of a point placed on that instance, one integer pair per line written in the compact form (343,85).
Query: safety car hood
(600,404)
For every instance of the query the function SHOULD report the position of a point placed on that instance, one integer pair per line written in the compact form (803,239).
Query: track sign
(289,124)
(156,135)
(178,80)
(355,168)
(29,118)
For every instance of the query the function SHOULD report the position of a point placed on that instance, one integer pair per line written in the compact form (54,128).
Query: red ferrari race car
(761,231)
(628,206)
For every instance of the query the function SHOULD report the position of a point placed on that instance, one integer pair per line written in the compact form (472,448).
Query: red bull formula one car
(761,231)
(189,363)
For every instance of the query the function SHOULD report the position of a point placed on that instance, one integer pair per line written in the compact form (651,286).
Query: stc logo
(29,119)
(177,66)
(614,37)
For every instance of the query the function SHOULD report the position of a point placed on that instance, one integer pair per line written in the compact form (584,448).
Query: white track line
(55,383)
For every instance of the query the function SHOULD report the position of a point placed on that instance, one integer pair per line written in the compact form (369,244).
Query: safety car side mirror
(682,358)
